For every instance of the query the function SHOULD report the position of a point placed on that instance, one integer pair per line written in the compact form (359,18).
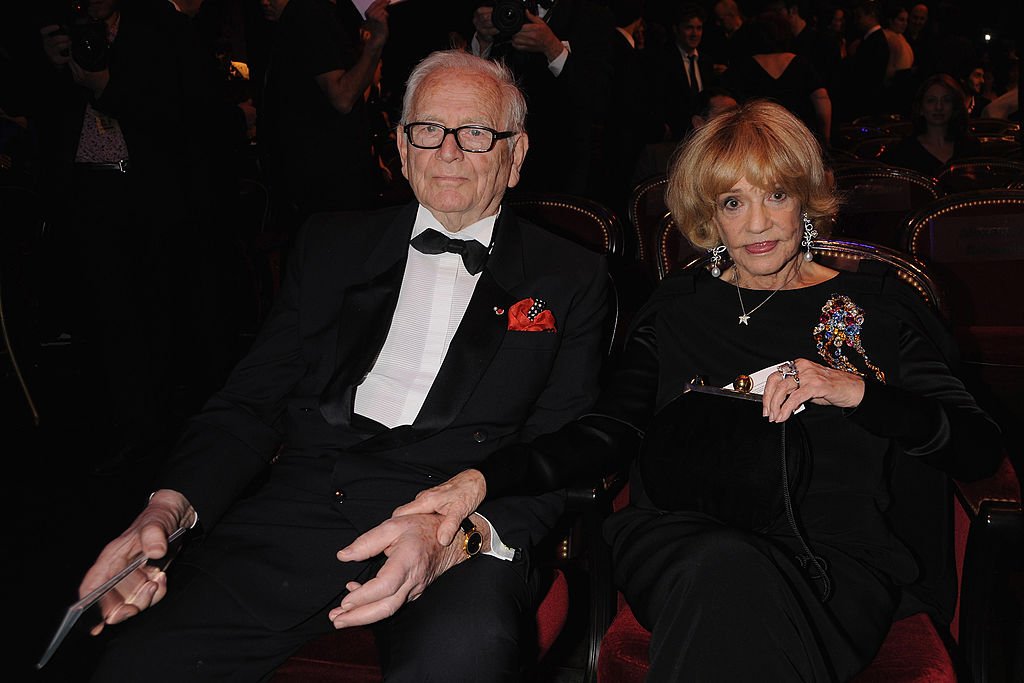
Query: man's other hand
(415,560)
(167,511)
(455,499)
(537,36)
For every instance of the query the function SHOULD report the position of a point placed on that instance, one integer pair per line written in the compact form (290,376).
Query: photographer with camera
(127,130)
(561,52)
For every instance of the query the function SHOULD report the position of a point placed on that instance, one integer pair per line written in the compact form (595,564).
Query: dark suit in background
(124,243)
(566,111)
(680,101)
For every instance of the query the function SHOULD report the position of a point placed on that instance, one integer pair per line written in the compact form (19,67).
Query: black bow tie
(474,254)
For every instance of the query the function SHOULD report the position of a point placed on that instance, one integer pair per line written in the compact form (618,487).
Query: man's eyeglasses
(472,138)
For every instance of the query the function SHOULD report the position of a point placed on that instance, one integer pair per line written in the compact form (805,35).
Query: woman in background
(940,132)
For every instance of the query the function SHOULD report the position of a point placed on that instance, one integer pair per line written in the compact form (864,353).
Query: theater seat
(988,519)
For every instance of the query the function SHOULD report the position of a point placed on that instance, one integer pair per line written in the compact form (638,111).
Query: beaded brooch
(840,325)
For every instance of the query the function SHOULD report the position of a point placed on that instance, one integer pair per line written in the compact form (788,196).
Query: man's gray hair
(459,60)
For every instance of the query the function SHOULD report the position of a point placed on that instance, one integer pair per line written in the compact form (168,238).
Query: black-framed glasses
(471,138)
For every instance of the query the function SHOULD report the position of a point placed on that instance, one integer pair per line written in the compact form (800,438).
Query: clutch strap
(814,565)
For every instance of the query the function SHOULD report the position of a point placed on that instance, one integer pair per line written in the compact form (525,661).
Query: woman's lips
(760,247)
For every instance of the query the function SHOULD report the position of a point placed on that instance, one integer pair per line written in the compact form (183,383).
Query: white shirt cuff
(498,549)
(558,63)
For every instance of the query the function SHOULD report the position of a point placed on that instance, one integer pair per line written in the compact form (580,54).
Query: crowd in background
(144,159)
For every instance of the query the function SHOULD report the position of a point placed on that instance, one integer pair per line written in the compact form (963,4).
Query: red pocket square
(530,315)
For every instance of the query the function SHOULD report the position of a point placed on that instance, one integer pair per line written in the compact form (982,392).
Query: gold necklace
(744,317)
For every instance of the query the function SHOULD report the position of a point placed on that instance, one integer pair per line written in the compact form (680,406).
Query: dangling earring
(809,234)
(716,260)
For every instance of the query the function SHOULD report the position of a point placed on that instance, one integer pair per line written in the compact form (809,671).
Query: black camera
(508,16)
(89,47)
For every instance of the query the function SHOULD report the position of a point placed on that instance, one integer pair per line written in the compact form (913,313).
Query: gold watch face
(473,542)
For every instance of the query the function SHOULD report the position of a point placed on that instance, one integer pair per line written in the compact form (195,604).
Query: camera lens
(508,16)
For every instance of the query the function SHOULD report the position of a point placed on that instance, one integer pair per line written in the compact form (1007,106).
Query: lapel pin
(498,310)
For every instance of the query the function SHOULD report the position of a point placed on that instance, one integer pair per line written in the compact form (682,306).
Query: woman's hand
(455,500)
(809,381)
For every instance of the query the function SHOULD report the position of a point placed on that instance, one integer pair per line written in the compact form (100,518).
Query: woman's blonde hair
(760,141)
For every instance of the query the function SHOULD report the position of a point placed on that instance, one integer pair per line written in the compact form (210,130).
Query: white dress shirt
(436,289)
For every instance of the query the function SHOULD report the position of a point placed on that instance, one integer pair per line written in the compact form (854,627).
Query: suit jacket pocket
(533,341)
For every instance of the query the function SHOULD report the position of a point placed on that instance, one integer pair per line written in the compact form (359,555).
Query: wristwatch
(473,540)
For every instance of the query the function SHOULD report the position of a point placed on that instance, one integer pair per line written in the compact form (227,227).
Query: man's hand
(375,30)
(96,81)
(167,511)
(56,44)
(537,36)
(415,560)
(455,499)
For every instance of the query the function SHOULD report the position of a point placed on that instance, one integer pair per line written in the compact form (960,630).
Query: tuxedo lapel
(365,318)
(481,331)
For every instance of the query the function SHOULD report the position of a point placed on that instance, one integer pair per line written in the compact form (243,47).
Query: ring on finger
(796,378)
(787,369)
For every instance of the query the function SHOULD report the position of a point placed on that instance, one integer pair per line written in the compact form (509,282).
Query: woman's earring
(809,234)
(716,260)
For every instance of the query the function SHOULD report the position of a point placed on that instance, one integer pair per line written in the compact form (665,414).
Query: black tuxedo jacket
(865,77)
(335,474)
(679,103)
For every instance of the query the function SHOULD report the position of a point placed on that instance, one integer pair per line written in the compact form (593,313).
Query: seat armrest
(1001,490)
(592,504)
(994,549)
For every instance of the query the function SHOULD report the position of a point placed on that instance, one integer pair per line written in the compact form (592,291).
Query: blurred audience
(775,72)
(130,131)
(899,71)
(814,43)
(864,69)
(630,124)
(684,70)
(314,132)
(724,38)
(972,80)
(562,57)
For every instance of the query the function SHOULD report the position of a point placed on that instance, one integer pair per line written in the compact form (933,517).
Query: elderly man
(407,346)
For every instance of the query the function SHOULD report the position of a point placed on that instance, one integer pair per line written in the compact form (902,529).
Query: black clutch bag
(709,450)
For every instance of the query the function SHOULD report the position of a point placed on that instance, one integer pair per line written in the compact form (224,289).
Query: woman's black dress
(727,604)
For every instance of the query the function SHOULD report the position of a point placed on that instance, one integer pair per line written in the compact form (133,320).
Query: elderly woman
(855,359)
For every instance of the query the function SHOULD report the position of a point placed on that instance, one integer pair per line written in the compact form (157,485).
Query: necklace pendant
(743,319)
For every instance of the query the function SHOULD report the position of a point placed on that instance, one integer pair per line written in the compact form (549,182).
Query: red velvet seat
(913,651)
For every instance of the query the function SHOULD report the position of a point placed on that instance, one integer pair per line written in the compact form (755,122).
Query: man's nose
(449,149)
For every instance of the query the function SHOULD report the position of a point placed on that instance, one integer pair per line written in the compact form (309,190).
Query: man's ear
(697,121)
(403,149)
(519,150)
